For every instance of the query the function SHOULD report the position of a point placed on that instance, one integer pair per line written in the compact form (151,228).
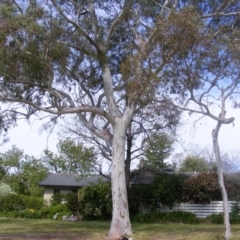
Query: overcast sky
(28,138)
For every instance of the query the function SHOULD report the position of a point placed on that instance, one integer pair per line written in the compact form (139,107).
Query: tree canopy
(71,158)
(22,172)
(158,147)
(194,164)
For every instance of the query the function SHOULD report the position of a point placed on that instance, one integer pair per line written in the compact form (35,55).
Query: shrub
(201,188)
(21,202)
(182,217)
(57,198)
(5,190)
(232,183)
(216,218)
(141,196)
(50,211)
(72,203)
(45,212)
(12,202)
(96,201)
(30,202)
(160,217)
(165,190)
(235,210)
(169,188)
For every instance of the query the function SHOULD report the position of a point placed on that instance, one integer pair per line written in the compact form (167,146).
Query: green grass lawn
(93,230)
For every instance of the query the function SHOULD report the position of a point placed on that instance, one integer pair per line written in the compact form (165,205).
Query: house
(65,183)
(144,175)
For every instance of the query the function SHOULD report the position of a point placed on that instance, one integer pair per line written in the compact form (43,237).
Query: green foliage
(72,202)
(21,202)
(27,213)
(160,217)
(201,188)
(5,190)
(57,198)
(168,188)
(96,201)
(234,215)
(47,212)
(50,211)
(232,183)
(157,149)
(71,158)
(23,173)
(216,218)
(194,163)
(12,202)
(235,210)
(140,196)
(31,202)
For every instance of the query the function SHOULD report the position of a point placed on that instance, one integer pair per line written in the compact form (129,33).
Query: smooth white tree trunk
(120,224)
(227,225)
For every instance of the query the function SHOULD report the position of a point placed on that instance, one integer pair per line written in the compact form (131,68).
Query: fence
(200,210)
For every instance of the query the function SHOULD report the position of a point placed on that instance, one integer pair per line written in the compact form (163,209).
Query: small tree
(71,158)
(194,164)
(158,147)
(23,173)
(201,188)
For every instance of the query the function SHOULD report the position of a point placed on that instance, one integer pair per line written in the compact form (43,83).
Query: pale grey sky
(27,137)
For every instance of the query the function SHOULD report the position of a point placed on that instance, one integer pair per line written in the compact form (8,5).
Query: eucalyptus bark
(120,224)
(227,225)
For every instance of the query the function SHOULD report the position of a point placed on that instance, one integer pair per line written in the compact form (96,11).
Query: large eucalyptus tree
(104,61)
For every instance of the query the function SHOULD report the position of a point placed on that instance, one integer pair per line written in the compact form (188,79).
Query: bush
(165,190)
(232,183)
(216,218)
(50,211)
(57,198)
(201,188)
(20,202)
(160,217)
(72,203)
(96,201)
(12,202)
(234,219)
(29,202)
(46,212)
(235,210)
(5,190)
(141,196)
(182,217)
(169,188)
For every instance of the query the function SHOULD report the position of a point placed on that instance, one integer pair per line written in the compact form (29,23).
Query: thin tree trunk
(128,159)
(120,224)
(227,225)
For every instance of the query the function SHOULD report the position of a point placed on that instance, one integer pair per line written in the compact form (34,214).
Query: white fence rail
(201,210)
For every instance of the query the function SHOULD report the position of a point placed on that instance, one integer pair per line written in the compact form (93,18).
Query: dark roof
(71,180)
(144,175)
(141,179)
(147,167)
